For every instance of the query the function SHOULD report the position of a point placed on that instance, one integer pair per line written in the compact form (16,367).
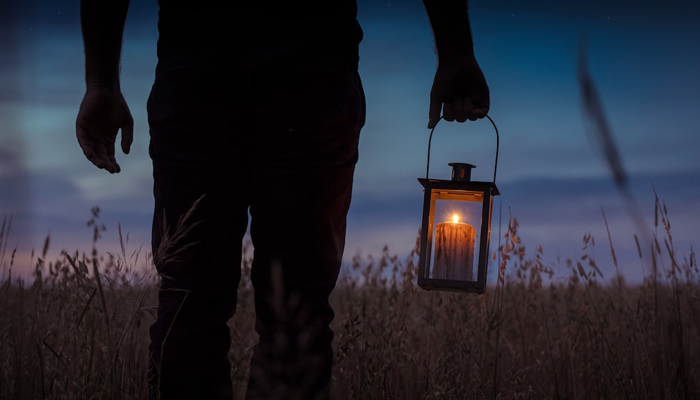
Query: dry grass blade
(600,132)
(171,244)
(78,272)
(612,248)
(4,231)
(85,308)
(594,115)
(101,291)
(551,356)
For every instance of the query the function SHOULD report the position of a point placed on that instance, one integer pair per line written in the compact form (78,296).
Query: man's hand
(460,92)
(102,113)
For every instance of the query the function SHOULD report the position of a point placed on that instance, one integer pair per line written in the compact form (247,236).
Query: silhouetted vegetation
(79,329)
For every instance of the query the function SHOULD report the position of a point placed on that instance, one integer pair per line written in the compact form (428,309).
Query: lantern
(456,229)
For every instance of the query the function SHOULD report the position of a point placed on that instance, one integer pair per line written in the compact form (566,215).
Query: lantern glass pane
(456,234)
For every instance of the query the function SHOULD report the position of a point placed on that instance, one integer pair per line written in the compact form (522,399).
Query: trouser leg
(198,261)
(300,199)
(190,339)
(294,271)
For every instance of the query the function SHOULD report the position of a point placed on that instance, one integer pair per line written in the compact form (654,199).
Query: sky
(642,56)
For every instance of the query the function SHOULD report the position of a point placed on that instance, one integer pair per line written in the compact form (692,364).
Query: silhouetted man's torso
(326,31)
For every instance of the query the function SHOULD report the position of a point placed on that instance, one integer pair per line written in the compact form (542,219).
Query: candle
(454,250)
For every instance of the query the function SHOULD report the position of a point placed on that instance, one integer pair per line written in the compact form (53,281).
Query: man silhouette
(255,108)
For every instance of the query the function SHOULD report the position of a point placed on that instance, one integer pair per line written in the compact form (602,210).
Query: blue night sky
(643,57)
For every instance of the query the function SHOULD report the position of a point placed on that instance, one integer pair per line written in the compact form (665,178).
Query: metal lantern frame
(459,188)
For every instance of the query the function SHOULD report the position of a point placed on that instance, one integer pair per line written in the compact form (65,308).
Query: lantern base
(449,285)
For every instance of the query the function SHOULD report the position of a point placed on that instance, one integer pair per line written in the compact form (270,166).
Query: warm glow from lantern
(455,218)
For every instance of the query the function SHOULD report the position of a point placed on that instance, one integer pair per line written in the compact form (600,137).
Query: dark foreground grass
(74,333)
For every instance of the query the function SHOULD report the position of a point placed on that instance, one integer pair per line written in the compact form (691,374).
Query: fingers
(462,109)
(89,147)
(105,158)
(482,106)
(98,153)
(127,135)
(112,165)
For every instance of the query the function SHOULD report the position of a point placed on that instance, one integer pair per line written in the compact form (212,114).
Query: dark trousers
(276,142)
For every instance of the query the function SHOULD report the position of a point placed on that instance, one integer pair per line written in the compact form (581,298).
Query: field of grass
(74,333)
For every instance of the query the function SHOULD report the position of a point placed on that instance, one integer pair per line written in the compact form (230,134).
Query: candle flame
(455,218)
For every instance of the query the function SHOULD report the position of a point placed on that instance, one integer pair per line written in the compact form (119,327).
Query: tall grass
(79,329)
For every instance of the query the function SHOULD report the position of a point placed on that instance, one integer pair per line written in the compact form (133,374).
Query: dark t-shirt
(260,31)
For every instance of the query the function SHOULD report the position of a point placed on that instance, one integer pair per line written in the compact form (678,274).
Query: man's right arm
(103,111)
(459,87)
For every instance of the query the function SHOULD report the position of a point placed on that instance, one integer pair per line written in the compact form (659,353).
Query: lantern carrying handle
(495,165)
